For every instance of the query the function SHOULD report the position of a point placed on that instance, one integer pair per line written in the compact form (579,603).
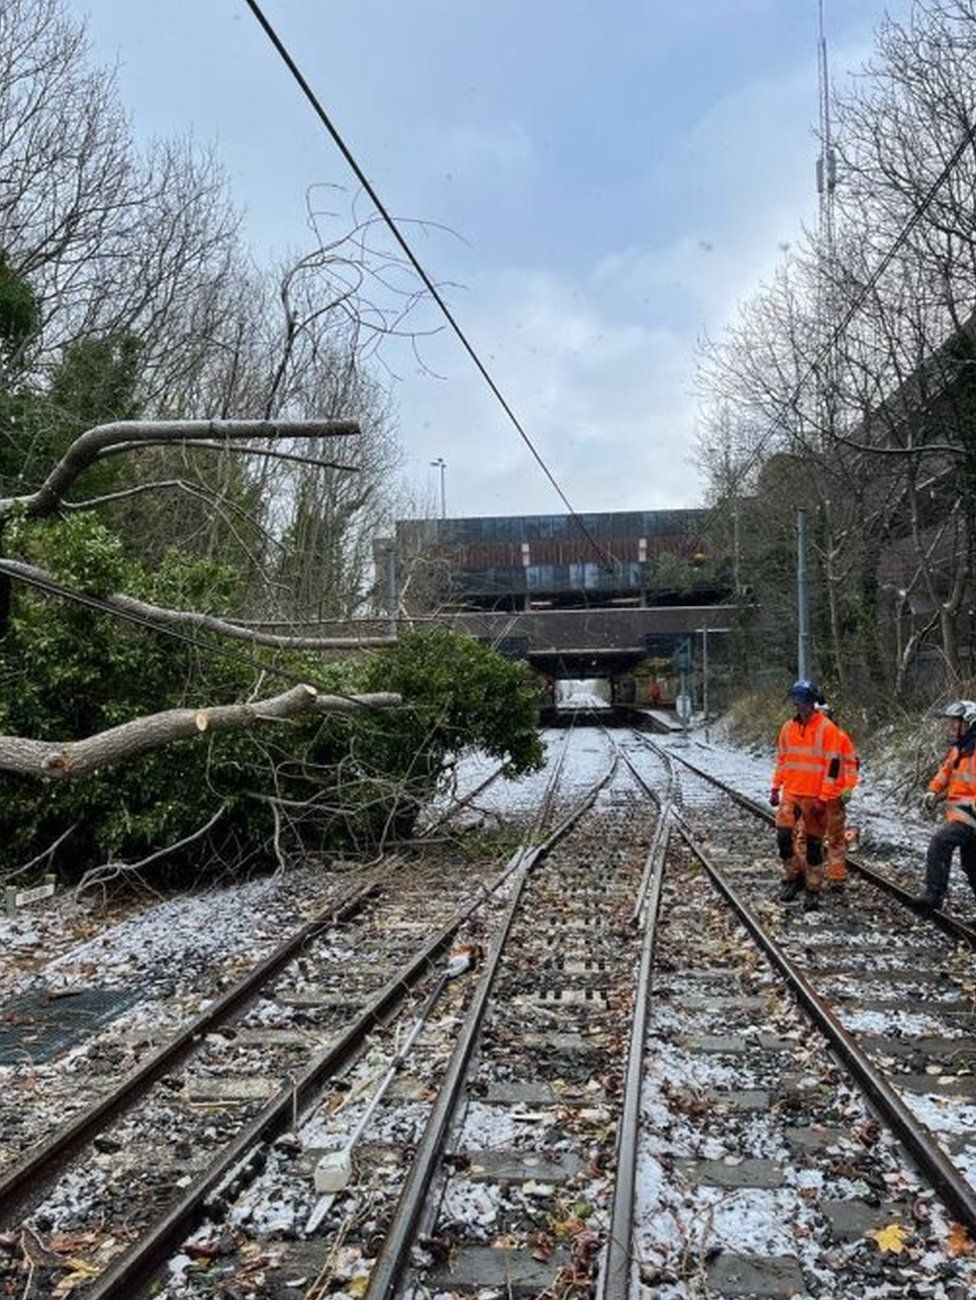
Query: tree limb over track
(163,617)
(78,758)
(128,435)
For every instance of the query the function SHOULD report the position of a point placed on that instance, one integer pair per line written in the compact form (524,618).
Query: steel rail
(614,1281)
(950,925)
(663,806)
(552,785)
(953,1189)
(126,1278)
(394,1254)
(37,1171)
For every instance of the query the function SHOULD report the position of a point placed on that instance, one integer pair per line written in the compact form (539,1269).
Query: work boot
(926,901)
(790,890)
(836,886)
(811,901)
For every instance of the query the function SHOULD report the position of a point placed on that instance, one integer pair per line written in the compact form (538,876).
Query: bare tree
(870,382)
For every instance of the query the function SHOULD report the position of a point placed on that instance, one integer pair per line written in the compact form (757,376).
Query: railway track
(522,988)
(657,1076)
(891,996)
(236,1076)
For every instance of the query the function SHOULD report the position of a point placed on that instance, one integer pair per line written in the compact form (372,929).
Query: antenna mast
(827,288)
(827,161)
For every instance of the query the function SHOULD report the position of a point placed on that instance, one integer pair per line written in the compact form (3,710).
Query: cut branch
(78,758)
(162,617)
(97,442)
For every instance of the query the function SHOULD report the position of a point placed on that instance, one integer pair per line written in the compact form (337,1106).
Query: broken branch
(77,758)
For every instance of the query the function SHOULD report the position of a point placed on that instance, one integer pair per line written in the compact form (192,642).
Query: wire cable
(429,284)
(968,138)
(52,588)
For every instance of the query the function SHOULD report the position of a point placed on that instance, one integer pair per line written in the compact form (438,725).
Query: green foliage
(97,380)
(70,671)
(79,550)
(457,693)
(19,310)
(461,693)
(675,574)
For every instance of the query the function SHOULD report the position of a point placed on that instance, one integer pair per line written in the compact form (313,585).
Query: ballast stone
(777,1276)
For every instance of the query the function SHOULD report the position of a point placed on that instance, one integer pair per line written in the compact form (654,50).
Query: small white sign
(17,898)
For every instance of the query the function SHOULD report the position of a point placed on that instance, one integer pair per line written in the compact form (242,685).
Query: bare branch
(200,445)
(78,758)
(98,877)
(90,445)
(183,618)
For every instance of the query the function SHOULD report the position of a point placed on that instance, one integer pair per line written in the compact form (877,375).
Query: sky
(606,180)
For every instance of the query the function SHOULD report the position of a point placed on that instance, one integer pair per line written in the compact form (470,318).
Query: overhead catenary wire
(870,284)
(52,588)
(418,267)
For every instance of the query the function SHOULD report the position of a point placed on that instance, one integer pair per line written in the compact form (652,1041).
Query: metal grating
(37,1027)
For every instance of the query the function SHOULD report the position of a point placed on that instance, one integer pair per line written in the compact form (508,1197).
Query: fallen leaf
(958,1241)
(890,1239)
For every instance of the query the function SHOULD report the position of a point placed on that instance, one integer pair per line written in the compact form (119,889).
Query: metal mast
(825,373)
(827,161)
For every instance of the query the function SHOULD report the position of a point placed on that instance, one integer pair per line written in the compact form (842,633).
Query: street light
(441,464)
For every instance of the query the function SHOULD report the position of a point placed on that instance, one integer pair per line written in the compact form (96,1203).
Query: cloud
(606,402)
(600,365)
(470,147)
(599,362)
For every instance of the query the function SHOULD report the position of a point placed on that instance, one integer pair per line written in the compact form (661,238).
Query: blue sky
(621,174)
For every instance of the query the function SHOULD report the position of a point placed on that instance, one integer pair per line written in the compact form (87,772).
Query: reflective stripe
(956,778)
(808,758)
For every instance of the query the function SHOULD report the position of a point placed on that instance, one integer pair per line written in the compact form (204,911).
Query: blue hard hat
(804,691)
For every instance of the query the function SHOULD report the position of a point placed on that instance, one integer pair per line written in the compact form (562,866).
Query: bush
(70,671)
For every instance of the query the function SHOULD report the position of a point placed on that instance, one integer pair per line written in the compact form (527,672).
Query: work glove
(929,800)
(845,796)
(774,796)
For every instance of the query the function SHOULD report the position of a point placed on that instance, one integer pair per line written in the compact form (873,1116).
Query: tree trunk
(78,758)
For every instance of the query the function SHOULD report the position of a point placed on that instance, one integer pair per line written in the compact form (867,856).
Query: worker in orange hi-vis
(846,784)
(955,782)
(835,833)
(808,769)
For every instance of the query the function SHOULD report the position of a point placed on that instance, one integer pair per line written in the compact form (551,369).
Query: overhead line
(52,588)
(969,137)
(408,252)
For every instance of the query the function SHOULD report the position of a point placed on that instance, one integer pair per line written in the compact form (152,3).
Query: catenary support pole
(804,636)
(705,677)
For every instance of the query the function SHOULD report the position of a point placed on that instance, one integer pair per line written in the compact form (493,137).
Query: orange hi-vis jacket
(808,758)
(849,765)
(956,779)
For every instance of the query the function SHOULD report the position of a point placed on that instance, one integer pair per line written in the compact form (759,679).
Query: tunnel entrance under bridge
(678,648)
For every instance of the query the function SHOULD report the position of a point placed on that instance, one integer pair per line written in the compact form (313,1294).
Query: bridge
(581,643)
(596,595)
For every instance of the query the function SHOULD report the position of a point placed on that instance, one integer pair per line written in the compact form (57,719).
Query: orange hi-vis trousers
(808,861)
(835,839)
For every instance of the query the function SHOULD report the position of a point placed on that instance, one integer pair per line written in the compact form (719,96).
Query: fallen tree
(142,612)
(124,741)
(80,758)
